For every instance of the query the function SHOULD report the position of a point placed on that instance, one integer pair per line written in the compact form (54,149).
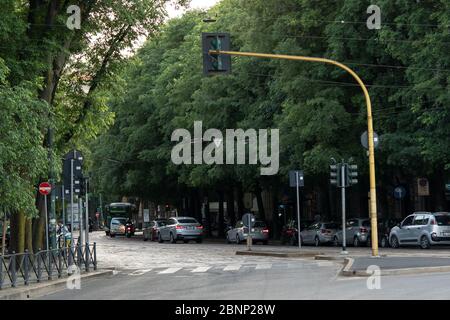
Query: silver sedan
(181,228)
(260,233)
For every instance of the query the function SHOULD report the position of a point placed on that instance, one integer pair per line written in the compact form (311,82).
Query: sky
(195,4)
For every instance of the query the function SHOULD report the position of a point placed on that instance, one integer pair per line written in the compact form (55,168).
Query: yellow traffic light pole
(373,194)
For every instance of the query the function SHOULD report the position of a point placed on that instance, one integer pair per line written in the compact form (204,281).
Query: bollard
(49,261)
(95,256)
(1,271)
(59,263)
(86,258)
(12,269)
(25,267)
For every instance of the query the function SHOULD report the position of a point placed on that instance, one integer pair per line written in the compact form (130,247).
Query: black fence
(25,268)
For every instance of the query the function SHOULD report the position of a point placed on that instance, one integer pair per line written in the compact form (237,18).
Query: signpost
(45,189)
(296,180)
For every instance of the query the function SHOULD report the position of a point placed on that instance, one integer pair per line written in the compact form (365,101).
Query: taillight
(199,227)
(363,230)
(265,230)
(433,222)
(179,227)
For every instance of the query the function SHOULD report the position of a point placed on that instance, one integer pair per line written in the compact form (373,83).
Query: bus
(119,210)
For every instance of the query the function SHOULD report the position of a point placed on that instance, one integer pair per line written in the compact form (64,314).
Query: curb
(325,257)
(346,271)
(278,254)
(48,287)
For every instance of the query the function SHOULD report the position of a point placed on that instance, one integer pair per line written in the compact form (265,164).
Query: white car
(423,229)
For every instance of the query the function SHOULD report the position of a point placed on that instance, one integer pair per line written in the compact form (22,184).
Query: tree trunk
(259,201)
(17,242)
(29,234)
(39,227)
(240,201)
(230,206)
(221,215)
(207,214)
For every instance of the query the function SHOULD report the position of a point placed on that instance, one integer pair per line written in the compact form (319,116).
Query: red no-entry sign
(45,188)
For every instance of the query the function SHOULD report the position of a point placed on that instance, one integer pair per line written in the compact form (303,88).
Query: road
(149,270)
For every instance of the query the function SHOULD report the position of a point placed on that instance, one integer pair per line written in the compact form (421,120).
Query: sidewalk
(46,287)
(395,265)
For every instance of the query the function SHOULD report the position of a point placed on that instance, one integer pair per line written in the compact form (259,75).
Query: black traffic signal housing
(335,175)
(216,63)
(351,174)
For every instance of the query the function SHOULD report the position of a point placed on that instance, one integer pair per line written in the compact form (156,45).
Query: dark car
(384,229)
(289,234)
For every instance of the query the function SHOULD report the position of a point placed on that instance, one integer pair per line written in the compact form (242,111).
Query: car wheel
(316,241)
(172,239)
(394,242)
(425,243)
(384,242)
(160,239)
(265,242)
(356,242)
(199,240)
(112,235)
(335,242)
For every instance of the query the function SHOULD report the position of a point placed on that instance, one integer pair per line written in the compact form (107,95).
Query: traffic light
(335,175)
(352,174)
(216,63)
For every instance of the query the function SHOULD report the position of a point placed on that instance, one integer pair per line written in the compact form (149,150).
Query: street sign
(423,188)
(293,178)
(45,188)
(399,192)
(247,219)
(365,140)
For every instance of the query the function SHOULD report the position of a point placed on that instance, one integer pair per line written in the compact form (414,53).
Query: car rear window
(187,221)
(260,224)
(443,220)
(331,226)
(119,221)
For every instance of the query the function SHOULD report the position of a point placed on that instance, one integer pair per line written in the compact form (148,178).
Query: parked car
(151,230)
(357,232)
(121,226)
(384,228)
(289,232)
(260,233)
(181,228)
(423,229)
(319,233)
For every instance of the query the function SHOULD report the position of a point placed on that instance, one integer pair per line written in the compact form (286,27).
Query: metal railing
(25,268)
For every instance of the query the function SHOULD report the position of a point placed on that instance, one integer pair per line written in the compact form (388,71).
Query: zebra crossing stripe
(201,269)
(263,266)
(140,272)
(234,267)
(169,270)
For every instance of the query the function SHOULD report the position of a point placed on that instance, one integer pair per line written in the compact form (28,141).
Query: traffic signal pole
(373,195)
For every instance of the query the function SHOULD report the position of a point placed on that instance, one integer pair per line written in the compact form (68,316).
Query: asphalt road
(148,270)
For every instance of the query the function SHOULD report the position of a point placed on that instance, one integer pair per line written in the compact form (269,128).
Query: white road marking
(325,263)
(140,272)
(263,266)
(233,267)
(201,269)
(169,270)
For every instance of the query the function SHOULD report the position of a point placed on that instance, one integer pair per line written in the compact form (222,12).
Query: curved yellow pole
(373,194)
